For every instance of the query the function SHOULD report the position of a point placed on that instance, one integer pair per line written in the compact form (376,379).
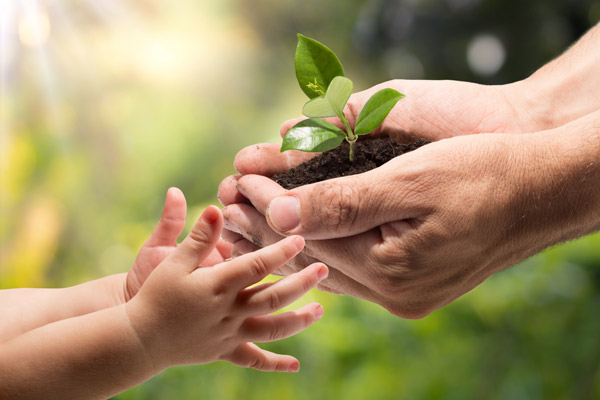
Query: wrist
(560,184)
(114,288)
(147,332)
(535,105)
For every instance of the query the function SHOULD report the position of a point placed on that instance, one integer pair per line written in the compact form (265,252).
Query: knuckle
(308,284)
(337,205)
(274,301)
(308,320)
(257,363)
(276,333)
(199,237)
(258,266)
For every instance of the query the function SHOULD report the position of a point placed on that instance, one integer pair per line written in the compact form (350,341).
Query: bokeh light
(485,54)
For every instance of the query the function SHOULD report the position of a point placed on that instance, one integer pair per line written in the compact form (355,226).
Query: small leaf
(332,105)
(316,66)
(313,135)
(338,93)
(319,107)
(376,109)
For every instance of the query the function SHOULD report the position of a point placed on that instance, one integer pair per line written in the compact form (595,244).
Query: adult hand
(429,226)
(453,108)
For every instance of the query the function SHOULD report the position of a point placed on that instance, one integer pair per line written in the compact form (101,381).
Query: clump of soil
(368,154)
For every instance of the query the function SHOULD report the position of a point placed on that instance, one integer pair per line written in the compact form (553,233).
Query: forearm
(92,356)
(557,195)
(566,88)
(22,310)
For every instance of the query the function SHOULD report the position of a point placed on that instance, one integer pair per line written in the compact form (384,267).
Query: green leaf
(338,93)
(316,66)
(313,135)
(319,107)
(332,105)
(376,109)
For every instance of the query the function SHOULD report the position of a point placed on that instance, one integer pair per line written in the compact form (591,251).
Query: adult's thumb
(331,209)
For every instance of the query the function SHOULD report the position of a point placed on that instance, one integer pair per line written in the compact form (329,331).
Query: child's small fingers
(260,301)
(172,221)
(250,355)
(253,267)
(268,328)
(200,242)
(224,249)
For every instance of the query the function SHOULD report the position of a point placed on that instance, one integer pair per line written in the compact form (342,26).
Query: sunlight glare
(34,28)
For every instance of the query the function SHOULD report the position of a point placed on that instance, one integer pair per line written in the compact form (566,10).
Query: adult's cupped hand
(419,231)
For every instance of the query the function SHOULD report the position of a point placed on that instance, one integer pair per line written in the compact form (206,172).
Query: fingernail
(294,367)
(319,311)
(284,213)
(323,272)
(299,242)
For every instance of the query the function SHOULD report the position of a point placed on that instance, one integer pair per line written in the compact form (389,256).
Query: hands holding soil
(427,227)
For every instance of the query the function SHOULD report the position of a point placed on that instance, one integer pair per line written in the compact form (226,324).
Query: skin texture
(429,226)
(192,305)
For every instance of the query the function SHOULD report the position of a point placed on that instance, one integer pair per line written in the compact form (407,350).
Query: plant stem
(350,136)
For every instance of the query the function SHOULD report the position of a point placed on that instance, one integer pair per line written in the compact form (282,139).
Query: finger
(337,253)
(260,191)
(266,159)
(230,236)
(339,283)
(253,267)
(172,222)
(348,254)
(201,241)
(265,300)
(224,249)
(250,355)
(268,328)
(243,246)
(330,209)
(219,254)
(228,193)
(251,224)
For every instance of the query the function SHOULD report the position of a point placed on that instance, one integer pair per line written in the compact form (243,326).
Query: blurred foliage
(115,101)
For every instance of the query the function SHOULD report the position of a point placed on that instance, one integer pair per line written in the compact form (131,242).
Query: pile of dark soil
(368,154)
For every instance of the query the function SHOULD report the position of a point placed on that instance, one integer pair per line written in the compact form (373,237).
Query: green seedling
(321,77)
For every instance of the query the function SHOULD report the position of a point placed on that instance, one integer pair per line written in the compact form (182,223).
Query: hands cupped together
(427,227)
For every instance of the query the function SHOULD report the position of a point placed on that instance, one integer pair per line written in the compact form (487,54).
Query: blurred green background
(106,104)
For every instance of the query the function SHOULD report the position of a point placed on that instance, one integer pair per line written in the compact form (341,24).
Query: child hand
(163,242)
(185,314)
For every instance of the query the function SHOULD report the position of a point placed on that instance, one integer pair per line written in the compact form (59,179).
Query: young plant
(321,77)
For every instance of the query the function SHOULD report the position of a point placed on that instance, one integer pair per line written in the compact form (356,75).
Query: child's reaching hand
(163,241)
(193,307)
(186,314)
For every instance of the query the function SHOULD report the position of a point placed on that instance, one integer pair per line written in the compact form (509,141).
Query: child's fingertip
(211,215)
(322,272)
(173,191)
(294,367)
(319,311)
(298,241)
